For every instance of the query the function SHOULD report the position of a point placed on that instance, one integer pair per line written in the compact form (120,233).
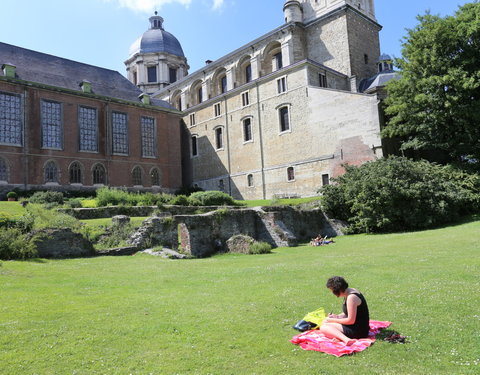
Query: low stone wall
(61,243)
(206,234)
(105,212)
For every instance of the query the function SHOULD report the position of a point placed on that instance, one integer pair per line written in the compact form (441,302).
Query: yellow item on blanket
(316,316)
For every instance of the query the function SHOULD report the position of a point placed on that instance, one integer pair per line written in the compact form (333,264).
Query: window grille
(119,133)
(75,173)
(87,121)
(3,170)
(52,132)
(137,176)
(148,137)
(10,119)
(99,175)
(155,176)
(51,172)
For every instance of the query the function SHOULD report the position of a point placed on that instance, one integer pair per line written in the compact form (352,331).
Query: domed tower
(292,11)
(156,59)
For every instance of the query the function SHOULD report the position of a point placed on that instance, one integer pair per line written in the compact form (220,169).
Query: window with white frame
(152,73)
(322,79)
(245,99)
(52,124)
(247,130)
(119,133)
(88,129)
(284,118)
(290,174)
(148,134)
(10,119)
(194,145)
(219,138)
(217,109)
(281,85)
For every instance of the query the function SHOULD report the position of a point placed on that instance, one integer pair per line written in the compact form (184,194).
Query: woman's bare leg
(335,330)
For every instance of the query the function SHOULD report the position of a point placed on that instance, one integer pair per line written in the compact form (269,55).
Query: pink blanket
(314,340)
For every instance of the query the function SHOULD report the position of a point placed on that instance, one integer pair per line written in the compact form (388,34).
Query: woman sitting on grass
(354,322)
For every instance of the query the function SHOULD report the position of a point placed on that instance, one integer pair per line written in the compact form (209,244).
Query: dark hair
(337,284)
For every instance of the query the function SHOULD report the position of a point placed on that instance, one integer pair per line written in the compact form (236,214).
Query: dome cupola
(156,59)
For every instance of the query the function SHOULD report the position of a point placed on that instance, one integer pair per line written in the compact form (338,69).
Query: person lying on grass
(353,323)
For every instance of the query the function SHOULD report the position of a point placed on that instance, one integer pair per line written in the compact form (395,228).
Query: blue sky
(100,32)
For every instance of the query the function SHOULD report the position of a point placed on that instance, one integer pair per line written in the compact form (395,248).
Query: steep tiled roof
(63,73)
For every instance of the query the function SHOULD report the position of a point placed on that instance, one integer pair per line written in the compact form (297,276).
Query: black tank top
(361,324)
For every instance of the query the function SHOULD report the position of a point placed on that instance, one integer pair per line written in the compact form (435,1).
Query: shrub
(260,248)
(12,194)
(44,218)
(112,197)
(188,190)
(396,194)
(45,197)
(180,200)
(211,198)
(115,236)
(73,203)
(14,245)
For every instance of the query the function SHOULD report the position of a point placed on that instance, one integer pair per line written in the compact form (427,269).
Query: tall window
(217,109)
(284,119)
(248,73)
(119,133)
(10,119)
(219,138)
(51,172)
(245,99)
(281,85)
(3,170)
(325,179)
(194,146)
(322,78)
(52,127)
(137,176)
(223,84)
(192,119)
(148,137)
(250,180)
(87,121)
(99,175)
(290,174)
(75,173)
(247,130)
(152,74)
(278,61)
(221,185)
(155,177)
(172,73)
(200,94)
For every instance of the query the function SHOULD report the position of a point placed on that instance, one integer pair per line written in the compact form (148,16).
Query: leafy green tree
(436,102)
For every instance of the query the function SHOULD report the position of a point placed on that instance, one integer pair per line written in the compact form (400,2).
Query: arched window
(137,176)
(75,173)
(272,58)
(51,172)
(99,174)
(3,170)
(155,176)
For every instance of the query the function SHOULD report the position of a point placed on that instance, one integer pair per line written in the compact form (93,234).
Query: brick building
(65,125)
(281,114)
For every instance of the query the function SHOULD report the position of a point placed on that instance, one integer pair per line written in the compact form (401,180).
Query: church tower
(156,59)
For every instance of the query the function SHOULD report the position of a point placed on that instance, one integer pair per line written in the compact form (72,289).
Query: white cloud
(217,4)
(148,6)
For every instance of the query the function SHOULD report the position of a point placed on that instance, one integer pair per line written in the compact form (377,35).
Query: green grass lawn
(232,314)
(11,209)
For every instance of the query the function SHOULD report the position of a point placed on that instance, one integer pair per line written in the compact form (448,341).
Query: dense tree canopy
(436,102)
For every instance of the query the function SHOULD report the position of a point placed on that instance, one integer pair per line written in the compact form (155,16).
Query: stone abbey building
(281,114)
(275,117)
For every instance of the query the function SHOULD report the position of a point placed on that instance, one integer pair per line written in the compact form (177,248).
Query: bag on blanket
(310,321)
